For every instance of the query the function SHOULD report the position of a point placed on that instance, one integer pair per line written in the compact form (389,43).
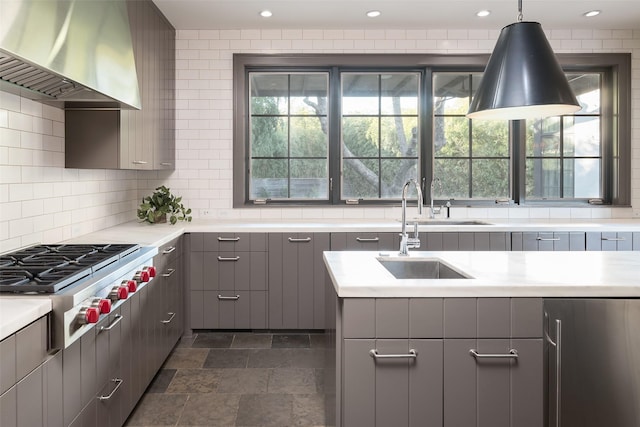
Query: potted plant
(156,207)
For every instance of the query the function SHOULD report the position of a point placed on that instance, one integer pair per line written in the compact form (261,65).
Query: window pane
(268,137)
(490,178)
(454,176)
(269,179)
(581,136)
(582,178)
(543,178)
(309,179)
(360,136)
(399,136)
(451,93)
(543,137)
(587,89)
(360,94)
(395,172)
(360,179)
(269,93)
(490,138)
(308,138)
(451,136)
(399,94)
(309,94)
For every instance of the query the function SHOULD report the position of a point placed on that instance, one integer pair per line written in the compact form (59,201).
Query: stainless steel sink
(448,222)
(421,268)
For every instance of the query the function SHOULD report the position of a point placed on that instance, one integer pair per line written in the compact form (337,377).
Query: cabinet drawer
(242,242)
(233,270)
(363,241)
(8,360)
(31,347)
(170,251)
(229,309)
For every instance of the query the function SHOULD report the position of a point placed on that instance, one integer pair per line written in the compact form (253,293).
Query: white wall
(41,201)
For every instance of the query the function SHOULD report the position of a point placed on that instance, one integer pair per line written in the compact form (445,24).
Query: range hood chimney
(68,53)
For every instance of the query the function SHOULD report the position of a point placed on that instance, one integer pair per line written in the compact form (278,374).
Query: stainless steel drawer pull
(411,355)
(169,250)
(221,298)
(118,382)
(367,240)
(171,316)
(139,162)
(165,164)
(614,239)
(116,319)
(303,240)
(228,239)
(169,272)
(513,354)
(548,239)
(235,258)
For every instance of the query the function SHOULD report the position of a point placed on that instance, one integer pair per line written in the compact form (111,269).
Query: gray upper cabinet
(133,139)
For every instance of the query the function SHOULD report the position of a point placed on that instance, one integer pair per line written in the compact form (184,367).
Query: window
(352,129)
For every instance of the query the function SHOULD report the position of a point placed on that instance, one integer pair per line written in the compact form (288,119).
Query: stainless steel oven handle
(513,354)
(171,316)
(170,271)
(116,319)
(168,250)
(118,382)
(411,355)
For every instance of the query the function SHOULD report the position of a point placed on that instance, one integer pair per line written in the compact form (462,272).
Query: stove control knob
(141,276)
(118,293)
(103,305)
(131,285)
(151,270)
(88,315)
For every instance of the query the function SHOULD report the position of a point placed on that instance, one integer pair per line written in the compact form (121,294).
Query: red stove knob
(141,276)
(118,293)
(103,305)
(131,285)
(88,315)
(151,270)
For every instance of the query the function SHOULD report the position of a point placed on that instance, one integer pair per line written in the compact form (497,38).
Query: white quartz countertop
(16,313)
(493,274)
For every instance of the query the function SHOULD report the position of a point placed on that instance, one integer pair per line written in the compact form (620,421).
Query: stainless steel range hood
(68,53)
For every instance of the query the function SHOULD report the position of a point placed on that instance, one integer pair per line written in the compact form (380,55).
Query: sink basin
(421,268)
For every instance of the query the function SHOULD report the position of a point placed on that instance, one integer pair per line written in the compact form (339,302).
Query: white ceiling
(397,14)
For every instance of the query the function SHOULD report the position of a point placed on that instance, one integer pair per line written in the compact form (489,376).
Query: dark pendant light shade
(523,78)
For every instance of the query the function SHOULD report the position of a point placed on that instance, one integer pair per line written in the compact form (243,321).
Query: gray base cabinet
(613,241)
(548,241)
(363,241)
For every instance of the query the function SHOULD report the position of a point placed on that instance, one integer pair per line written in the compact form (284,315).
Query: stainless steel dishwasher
(593,362)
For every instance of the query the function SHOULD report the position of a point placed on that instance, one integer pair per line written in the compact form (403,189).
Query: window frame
(616,139)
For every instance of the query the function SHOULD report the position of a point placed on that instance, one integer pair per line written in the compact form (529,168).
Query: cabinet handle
(170,272)
(221,298)
(303,240)
(117,319)
(169,250)
(613,239)
(166,164)
(171,316)
(235,258)
(118,382)
(513,354)
(228,239)
(411,355)
(558,345)
(548,239)
(367,240)
(139,162)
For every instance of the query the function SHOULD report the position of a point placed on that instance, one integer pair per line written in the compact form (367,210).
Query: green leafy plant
(162,204)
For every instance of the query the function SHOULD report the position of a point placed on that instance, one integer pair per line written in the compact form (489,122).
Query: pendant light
(523,78)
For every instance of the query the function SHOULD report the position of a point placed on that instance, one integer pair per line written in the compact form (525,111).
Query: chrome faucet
(434,211)
(407,242)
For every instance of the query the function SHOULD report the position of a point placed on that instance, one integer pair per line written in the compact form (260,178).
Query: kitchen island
(465,350)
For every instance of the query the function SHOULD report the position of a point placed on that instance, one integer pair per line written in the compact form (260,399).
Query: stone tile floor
(238,379)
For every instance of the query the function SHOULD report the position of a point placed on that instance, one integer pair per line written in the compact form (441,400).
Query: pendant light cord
(519,10)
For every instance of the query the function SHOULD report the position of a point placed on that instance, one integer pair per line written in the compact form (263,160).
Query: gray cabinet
(296,280)
(228,280)
(365,241)
(133,139)
(464,241)
(109,372)
(548,241)
(612,241)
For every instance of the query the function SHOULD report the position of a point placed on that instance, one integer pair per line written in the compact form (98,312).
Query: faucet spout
(407,242)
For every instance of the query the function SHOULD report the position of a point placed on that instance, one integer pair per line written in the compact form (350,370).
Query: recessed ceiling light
(483,13)
(266,14)
(374,13)
(591,13)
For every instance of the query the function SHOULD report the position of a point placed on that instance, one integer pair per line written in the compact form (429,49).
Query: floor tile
(186,340)
(212,340)
(194,381)
(308,410)
(242,381)
(210,410)
(306,357)
(251,341)
(318,340)
(286,358)
(292,381)
(161,381)
(265,410)
(156,409)
(290,341)
(226,358)
(184,358)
